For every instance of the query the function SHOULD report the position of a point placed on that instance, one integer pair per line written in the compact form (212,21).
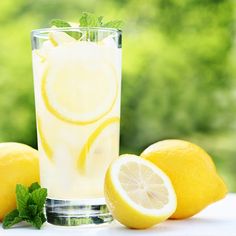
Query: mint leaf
(100,18)
(114,24)
(59,23)
(11,219)
(62,24)
(30,206)
(42,216)
(33,187)
(87,19)
(36,222)
(39,197)
(32,210)
(90,20)
(22,197)
(74,34)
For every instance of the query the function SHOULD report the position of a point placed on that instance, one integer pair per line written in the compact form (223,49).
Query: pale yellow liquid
(62,137)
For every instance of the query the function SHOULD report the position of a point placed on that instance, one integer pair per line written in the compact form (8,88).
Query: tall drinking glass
(77,83)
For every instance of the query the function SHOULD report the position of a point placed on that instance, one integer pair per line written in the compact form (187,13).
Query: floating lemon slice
(47,149)
(96,136)
(43,52)
(138,193)
(57,38)
(79,88)
(41,56)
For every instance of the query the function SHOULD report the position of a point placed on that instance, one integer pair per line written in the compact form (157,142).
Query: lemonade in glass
(77,83)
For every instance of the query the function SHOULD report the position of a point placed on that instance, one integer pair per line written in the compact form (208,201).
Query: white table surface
(219,219)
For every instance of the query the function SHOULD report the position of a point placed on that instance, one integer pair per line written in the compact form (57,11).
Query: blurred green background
(178,71)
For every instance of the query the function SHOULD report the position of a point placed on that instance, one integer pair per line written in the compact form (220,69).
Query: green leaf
(100,18)
(22,197)
(11,219)
(32,210)
(36,222)
(59,23)
(114,24)
(42,216)
(62,24)
(89,20)
(39,197)
(75,34)
(34,186)
(30,204)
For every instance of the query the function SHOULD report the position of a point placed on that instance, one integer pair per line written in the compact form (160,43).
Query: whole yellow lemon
(18,164)
(192,172)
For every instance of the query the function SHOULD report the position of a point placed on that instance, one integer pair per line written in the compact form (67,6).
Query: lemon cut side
(138,194)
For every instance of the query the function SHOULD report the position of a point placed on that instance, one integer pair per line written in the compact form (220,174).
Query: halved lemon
(102,144)
(138,194)
(46,148)
(79,88)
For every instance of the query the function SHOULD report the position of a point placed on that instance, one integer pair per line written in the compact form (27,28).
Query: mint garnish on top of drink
(86,20)
(89,20)
(30,204)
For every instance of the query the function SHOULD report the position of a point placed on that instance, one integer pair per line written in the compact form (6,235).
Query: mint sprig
(30,203)
(88,19)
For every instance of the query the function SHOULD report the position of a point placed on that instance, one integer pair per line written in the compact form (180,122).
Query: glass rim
(41,31)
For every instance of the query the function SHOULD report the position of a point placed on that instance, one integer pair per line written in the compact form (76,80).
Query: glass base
(75,213)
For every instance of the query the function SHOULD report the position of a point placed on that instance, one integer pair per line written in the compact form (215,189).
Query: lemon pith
(139,205)
(81,163)
(56,112)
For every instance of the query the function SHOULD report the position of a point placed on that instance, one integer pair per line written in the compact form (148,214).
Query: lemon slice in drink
(138,194)
(47,149)
(100,147)
(79,86)
(57,38)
